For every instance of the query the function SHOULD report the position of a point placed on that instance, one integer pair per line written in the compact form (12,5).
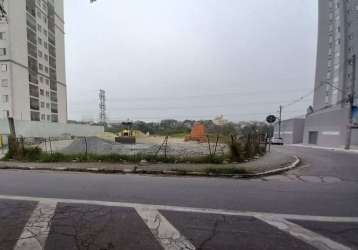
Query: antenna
(102,106)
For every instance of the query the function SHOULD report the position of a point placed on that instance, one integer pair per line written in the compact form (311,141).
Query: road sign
(271,119)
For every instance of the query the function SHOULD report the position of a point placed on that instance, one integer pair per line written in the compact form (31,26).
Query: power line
(301,98)
(240,94)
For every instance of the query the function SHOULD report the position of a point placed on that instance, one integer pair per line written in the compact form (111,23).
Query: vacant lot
(145,145)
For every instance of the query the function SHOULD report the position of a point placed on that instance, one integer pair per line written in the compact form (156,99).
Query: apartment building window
(2,51)
(5,98)
(47,94)
(35,116)
(47,105)
(2,35)
(39,40)
(3,67)
(45,32)
(46,57)
(45,45)
(42,104)
(48,117)
(34,104)
(41,79)
(54,118)
(47,82)
(39,28)
(41,66)
(40,53)
(42,92)
(43,117)
(4,83)
(34,91)
(46,69)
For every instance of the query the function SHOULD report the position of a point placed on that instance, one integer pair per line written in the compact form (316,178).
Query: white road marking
(184,209)
(167,235)
(37,228)
(318,241)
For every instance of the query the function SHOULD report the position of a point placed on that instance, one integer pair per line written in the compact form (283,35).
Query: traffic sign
(271,119)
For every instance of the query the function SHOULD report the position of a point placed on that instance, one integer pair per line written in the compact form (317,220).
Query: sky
(190,59)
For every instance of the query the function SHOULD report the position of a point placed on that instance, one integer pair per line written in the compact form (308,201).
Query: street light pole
(351,104)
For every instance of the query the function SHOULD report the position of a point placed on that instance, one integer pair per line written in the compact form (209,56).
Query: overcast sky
(189,59)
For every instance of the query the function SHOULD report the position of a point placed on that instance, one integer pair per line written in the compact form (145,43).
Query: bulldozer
(127,135)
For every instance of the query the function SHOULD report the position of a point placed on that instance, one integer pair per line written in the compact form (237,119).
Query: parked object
(127,136)
(276,141)
(197,133)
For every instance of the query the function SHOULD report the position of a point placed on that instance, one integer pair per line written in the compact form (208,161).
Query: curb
(158,172)
(274,171)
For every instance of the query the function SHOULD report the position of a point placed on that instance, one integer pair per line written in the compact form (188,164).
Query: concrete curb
(142,171)
(274,171)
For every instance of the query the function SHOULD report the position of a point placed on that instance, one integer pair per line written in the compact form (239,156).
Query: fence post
(165,147)
(86,146)
(45,144)
(49,140)
(209,145)
(22,144)
(216,144)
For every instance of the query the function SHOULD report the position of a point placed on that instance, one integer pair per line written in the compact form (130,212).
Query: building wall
(291,130)
(45,129)
(337,43)
(30,30)
(330,127)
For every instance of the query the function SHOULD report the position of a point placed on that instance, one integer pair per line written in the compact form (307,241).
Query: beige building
(32,61)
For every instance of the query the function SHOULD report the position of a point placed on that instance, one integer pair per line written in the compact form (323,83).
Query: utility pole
(351,105)
(279,122)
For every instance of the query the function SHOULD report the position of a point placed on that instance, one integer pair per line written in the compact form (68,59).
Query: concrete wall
(291,130)
(45,129)
(331,127)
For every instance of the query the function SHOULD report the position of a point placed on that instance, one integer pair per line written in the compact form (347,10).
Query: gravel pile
(99,146)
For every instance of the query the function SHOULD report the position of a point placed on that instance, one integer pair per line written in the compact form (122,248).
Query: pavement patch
(93,227)
(168,236)
(315,240)
(231,232)
(344,233)
(36,230)
(13,217)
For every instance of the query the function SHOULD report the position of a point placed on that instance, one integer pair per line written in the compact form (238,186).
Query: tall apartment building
(32,61)
(327,122)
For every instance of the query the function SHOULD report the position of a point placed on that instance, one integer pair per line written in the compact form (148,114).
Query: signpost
(271,119)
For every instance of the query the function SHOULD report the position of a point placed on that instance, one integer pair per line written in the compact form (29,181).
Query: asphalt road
(302,209)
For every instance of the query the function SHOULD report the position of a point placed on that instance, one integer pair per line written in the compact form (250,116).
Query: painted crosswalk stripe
(184,209)
(318,241)
(167,235)
(37,228)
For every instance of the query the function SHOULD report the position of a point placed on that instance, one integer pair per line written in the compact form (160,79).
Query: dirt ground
(105,144)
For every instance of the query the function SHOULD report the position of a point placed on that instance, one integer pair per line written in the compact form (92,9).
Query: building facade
(291,130)
(327,120)
(32,61)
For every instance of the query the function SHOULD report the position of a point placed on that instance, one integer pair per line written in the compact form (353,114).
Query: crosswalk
(46,223)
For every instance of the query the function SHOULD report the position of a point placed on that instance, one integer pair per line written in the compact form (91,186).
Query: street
(312,207)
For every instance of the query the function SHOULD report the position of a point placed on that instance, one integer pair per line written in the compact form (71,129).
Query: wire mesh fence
(235,148)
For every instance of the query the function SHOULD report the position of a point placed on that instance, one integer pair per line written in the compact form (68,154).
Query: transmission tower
(102,106)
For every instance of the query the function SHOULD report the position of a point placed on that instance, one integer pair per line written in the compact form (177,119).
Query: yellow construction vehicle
(127,136)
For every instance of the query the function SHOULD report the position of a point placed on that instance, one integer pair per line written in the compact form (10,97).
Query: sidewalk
(274,161)
(353,150)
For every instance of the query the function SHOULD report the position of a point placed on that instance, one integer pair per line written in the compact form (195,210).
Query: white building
(32,61)
(327,121)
